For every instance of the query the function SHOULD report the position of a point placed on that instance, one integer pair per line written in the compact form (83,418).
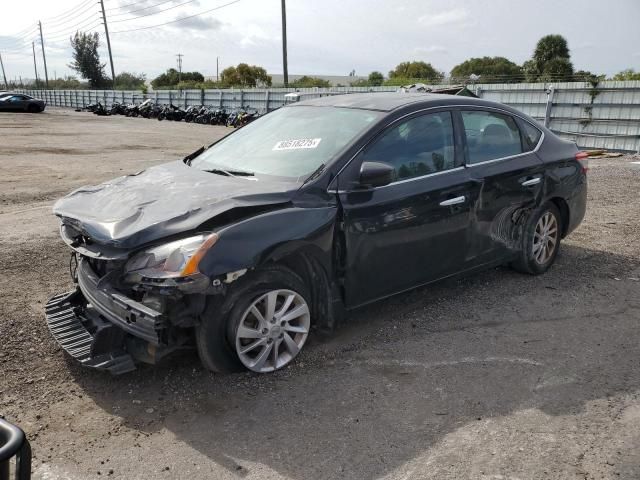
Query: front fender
(270,236)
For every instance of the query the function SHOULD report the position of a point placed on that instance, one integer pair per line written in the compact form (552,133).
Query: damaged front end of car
(137,243)
(129,307)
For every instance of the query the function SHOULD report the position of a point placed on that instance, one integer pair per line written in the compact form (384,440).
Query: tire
(534,258)
(33,109)
(218,336)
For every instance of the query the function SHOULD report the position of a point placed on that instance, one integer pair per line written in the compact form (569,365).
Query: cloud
(433,49)
(254,35)
(447,17)
(8,42)
(147,7)
(199,23)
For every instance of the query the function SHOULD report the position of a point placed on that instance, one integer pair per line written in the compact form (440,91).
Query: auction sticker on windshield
(296,144)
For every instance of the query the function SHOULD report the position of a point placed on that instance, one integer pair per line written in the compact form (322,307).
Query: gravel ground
(497,376)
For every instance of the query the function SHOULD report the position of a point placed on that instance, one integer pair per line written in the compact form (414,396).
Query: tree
(306,82)
(557,70)
(551,60)
(416,71)
(628,74)
(245,75)
(490,69)
(86,60)
(587,76)
(548,48)
(130,81)
(375,79)
(172,77)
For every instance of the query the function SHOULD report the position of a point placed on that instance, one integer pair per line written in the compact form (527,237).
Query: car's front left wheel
(262,324)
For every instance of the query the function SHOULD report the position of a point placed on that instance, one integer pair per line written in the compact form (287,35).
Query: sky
(331,37)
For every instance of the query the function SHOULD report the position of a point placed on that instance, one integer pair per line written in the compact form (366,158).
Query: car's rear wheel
(33,109)
(262,324)
(541,240)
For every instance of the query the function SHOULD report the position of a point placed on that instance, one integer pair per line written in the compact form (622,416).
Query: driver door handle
(453,201)
(531,182)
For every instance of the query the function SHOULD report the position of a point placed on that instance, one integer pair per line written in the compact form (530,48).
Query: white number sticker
(296,144)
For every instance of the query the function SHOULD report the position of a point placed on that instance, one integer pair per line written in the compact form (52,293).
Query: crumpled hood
(164,200)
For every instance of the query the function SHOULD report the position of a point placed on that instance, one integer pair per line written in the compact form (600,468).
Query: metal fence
(606,115)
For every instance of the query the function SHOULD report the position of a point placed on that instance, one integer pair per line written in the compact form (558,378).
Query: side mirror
(375,174)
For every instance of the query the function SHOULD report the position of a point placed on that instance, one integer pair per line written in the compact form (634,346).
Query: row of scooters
(193,114)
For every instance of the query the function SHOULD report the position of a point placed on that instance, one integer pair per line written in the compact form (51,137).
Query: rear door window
(490,136)
(530,135)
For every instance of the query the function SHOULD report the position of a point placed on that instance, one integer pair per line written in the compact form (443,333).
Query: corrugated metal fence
(606,115)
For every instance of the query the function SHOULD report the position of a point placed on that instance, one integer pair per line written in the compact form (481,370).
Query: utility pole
(217,69)
(179,55)
(106,32)
(284,44)
(4,75)
(35,68)
(44,58)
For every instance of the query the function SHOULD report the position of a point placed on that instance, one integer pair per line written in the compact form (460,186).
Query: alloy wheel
(545,238)
(272,330)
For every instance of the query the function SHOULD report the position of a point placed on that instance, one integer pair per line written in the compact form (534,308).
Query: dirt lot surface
(498,376)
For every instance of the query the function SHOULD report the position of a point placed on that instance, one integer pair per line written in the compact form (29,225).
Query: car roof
(388,101)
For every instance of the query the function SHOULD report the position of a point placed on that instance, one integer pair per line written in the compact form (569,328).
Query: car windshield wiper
(230,173)
(193,155)
(315,174)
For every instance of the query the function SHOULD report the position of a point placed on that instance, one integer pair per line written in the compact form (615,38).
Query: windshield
(290,142)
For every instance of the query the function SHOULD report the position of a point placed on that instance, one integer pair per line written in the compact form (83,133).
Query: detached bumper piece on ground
(83,335)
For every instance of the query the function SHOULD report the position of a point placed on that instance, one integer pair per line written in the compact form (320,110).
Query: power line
(125,6)
(153,13)
(18,44)
(16,40)
(18,51)
(25,33)
(70,11)
(178,19)
(140,9)
(86,27)
(71,18)
(94,16)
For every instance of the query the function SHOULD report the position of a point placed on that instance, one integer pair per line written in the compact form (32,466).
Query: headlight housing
(174,260)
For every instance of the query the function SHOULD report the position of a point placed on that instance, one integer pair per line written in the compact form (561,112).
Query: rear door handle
(531,182)
(452,201)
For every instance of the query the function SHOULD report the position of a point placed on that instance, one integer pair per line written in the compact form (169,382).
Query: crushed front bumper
(83,334)
(99,326)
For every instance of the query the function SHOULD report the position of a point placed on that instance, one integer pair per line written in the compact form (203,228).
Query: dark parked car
(19,102)
(310,211)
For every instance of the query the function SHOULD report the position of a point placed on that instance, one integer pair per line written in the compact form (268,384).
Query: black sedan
(18,102)
(245,247)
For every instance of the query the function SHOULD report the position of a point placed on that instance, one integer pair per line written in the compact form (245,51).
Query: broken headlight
(173,260)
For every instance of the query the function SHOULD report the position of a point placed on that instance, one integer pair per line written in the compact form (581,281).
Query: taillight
(583,160)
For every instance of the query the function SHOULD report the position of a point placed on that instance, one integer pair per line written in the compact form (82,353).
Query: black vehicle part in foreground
(14,443)
(245,247)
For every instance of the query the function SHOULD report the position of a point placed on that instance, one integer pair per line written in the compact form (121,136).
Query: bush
(308,82)
(130,81)
(172,77)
